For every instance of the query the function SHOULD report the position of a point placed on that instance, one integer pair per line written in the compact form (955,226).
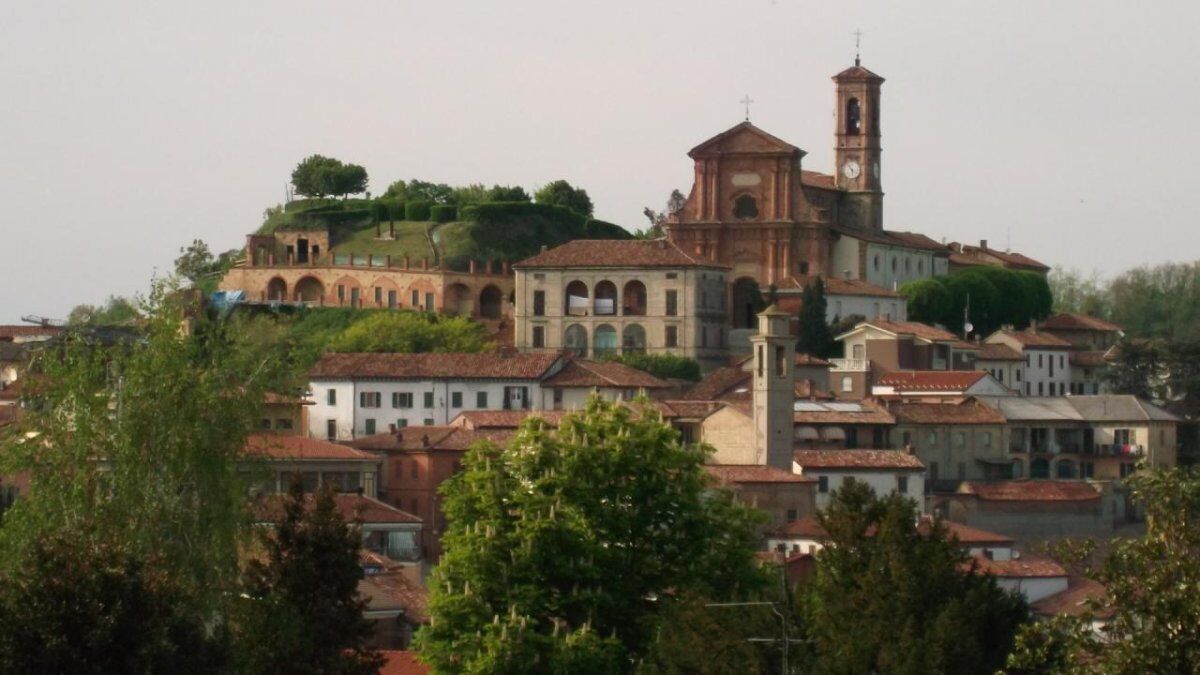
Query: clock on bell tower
(857,150)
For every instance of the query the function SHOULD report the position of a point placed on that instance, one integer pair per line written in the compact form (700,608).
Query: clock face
(850,169)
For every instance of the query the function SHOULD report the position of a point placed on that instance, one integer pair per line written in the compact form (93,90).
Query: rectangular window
(672,303)
(539,303)
(823,484)
(416,470)
(341,294)
(539,336)
(401,423)
(672,275)
(1041,389)
(369,399)
(428,421)
(416,299)
(264,423)
(378,296)
(456,399)
(331,430)
(283,423)
(428,399)
(354,297)
(369,426)
(672,338)
(962,471)
(902,484)
(331,397)
(792,515)
(392,299)
(481,399)
(1040,364)
(558,399)
(429,302)
(402,399)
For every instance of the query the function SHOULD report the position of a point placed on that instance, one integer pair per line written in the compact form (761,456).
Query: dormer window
(745,208)
(853,117)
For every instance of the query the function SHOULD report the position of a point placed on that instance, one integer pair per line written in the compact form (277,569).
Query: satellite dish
(968,327)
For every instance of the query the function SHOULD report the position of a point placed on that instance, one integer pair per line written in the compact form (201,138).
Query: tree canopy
(991,296)
(665,366)
(411,332)
(816,335)
(562,549)
(318,176)
(562,193)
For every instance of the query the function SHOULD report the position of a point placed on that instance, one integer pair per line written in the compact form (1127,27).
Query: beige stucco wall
(731,432)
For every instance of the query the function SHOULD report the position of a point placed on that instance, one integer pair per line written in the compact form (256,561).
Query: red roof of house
(916,329)
(393,590)
(967,535)
(964,254)
(592,374)
(433,439)
(503,419)
(617,253)
(833,286)
(808,527)
(915,240)
(818,180)
(693,409)
(10,332)
(434,366)
(280,446)
(1079,322)
(1088,359)
(1025,567)
(1030,339)
(865,411)
(269,508)
(1081,593)
(998,352)
(857,459)
(718,382)
(1031,491)
(954,411)
(402,663)
(931,380)
(753,473)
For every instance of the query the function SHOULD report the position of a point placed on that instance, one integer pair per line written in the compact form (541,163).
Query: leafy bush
(417,210)
(443,213)
(663,366)
(306,204)
(410,332)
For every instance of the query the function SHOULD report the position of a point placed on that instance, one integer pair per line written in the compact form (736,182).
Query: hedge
(443,213)
(418,210)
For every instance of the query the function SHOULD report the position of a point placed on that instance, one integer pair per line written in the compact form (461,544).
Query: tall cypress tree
(815,337)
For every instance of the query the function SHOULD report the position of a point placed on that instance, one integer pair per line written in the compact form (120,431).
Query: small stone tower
(774,388)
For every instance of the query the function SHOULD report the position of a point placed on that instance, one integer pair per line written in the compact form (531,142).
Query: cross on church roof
(746,102)
(857,44)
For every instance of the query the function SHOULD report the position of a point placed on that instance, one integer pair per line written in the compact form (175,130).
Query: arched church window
(745,207)
(853,117)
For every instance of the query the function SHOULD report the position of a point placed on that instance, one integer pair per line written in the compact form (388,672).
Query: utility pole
(784,639)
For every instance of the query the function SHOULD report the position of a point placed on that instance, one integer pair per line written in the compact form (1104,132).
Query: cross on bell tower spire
(746,102)
(857,46)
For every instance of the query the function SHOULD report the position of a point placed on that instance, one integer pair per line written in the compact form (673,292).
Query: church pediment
(744,139)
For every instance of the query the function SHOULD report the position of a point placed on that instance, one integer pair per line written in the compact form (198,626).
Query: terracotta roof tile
(715,145)
(931,380)
(818,180)
(753,473)
(840,412)
(490,366)
(392,591)
(9,332)
(968,536)
(964,254)
(808,527)
(590,374)
(1078,599)
(968,411)
(857,72)
(402,663)
(1031,491)
(1089,359)
(269,508)
(433,439)
(914,328)
(280,446)
(998,352)
(1079,322)
(616,253)
(915,240)
(1035,340)
(857,459)
(833,286)
(503,419)
(717,383)
(1025,567)
(689,409)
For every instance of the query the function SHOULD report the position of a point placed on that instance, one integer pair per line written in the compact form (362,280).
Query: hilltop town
(774,318)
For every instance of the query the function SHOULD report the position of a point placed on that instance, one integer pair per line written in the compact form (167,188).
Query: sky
(129,128)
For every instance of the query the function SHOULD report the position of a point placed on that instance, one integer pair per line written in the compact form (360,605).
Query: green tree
(1137,369)
(1151,598)
(315,176)
(411,332)
(565,546)
(816,337)
(116,311)
(930,301)
(303,613)
(348,179)
(507,193)
(197,264)
(419,190)
(79,603)
(891,598)
(1075,294)
(562,193)
(665,366)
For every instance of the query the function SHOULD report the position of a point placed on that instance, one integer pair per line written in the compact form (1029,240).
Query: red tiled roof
(1025,567)
(1031,491)
(717,383)
(503,419)
(692,409)
(915,240)
(280,446)
(857,71)
(1079,322)
(1088,359)
(962,411)
(616,253)
(392,591)
(1036,339)
(269,508)
(857,459)
(715,144)
(753,473)
(818,180)
(590,374)
(833,286)
(998,352)
(11,332)
(931,380)
(402,663)
(808,527)
(1081,593)
(433,438)
(968,536)
(914,328)
(964,254)
(434,366)
(834,412)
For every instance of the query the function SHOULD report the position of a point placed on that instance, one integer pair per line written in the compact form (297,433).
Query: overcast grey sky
(129,128)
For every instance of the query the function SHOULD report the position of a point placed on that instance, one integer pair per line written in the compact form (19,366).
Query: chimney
(543,248)
(846,274)
(983,244)
(425,441)
(391,428)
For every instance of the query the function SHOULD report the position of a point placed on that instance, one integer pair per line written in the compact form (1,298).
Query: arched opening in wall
(575,340)
(1039,468)
(1065,468)
(745,207)
(633,339)
(634,301)
(605,340)
(348,292)
(276,290)
(575,299)
(309,289)
(605,302)
(458,300)
(853,117)
(490,301)
(747,302)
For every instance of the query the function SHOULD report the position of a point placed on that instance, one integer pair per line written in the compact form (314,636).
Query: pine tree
(815,337)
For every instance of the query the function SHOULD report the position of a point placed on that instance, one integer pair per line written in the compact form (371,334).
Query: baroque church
(755,208)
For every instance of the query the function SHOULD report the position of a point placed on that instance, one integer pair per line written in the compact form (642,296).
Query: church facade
(754,207)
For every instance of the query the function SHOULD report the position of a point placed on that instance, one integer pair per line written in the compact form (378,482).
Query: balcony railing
(850,365)
(1119,450)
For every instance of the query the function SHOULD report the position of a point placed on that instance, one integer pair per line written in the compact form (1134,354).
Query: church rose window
(745,207)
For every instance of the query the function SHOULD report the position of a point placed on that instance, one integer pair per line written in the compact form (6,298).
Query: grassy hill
(501,231)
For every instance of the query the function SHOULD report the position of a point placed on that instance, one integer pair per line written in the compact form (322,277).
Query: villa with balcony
(873,348)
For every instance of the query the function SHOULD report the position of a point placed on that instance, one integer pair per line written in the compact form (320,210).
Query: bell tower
(857,149)
(774,389)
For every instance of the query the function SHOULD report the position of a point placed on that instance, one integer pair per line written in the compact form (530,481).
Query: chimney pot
(425,441)
(983,244)
(543,248)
